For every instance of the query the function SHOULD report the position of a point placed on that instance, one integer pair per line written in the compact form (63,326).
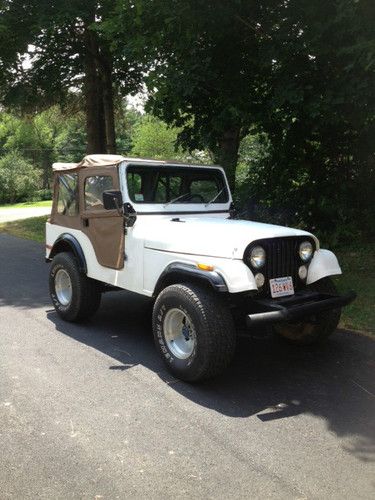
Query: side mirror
(112,200)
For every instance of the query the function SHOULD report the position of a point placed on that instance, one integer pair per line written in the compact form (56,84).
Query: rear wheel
(193,331)
(75,296)
(315,329)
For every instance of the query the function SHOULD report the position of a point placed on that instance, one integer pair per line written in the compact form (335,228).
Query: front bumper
(304,304)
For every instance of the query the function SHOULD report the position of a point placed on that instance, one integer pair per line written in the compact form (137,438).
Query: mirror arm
(120,209)
(130,215)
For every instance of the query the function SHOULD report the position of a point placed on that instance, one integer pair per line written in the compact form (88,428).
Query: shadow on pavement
(268,378)
(23,273)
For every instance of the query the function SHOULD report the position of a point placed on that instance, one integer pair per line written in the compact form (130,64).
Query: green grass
(27,204)
(358,274)
(358,266)
(31,229)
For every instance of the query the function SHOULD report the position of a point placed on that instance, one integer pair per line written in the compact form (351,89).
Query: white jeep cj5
(167,231)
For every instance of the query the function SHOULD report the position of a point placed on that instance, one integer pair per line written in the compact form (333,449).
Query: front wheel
(74,296)
(313,330)
(193,331)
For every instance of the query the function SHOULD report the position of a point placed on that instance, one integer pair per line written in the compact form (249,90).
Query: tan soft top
(97,161)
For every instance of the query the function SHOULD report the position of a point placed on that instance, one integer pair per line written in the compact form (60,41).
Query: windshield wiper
(214,198)
(173,200)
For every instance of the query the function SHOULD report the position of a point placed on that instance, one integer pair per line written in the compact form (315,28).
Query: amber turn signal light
(205,267)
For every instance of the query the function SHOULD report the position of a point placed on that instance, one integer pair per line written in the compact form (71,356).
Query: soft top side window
(94,188)
(67,197)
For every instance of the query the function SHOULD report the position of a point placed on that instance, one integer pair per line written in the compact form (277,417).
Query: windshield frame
(179,207)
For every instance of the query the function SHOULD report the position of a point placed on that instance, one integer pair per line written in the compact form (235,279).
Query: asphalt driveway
(88,411)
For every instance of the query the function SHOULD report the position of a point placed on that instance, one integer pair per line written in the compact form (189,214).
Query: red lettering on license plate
(281,287)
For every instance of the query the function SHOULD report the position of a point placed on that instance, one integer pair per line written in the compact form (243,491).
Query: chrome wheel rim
(63,287)
(179,333)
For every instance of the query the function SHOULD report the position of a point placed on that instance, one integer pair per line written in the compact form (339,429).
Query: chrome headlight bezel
(257,257)
(306,251)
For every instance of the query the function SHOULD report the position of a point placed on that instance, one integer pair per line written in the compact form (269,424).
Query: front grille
(282,259)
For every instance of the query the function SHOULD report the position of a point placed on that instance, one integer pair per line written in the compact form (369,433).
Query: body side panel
(129,278)
(235,273)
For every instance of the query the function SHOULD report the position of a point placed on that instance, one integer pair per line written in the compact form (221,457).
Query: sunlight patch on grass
(358,274)
(27,204)
(31,229)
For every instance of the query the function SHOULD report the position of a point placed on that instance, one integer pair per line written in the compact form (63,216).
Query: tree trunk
(46,161)
(226,154)
(109,117)
(93,97)
(101,114)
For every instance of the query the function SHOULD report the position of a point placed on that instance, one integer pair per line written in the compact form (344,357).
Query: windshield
(173,184)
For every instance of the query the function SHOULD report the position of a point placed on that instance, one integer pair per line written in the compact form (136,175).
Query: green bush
(333,201)
(19,179)
(42,195)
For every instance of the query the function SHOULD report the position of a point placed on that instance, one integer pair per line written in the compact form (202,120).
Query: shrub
(19,179)
(42,195)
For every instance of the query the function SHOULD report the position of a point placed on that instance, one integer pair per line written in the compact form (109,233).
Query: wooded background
(281,93)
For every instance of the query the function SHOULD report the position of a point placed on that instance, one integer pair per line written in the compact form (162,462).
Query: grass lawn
(27,204)
(358,266)
(358,274)
(31,229)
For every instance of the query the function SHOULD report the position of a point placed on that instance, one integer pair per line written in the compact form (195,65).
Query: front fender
(324,263)
(179,272)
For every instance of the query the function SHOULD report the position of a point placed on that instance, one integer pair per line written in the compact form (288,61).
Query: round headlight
(257,257)
(305,251)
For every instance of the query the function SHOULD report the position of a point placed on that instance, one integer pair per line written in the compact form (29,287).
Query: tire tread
(86,290)
(217,322)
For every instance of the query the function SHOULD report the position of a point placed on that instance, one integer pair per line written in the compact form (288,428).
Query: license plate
(281,287)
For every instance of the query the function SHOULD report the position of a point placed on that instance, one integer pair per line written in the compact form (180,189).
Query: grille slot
(282,259)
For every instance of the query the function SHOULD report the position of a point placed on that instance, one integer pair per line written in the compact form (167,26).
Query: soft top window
(163,184)
(95,186)
(67,196)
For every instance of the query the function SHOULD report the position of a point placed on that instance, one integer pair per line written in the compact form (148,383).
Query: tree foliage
(300,73)
(202,67)
(68,57)
(319,115)
(43,138)
(18,178)
(294,80)
(153,139)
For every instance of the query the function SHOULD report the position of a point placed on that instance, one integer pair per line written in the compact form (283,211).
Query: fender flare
(67,242)
(323,264)
(176,271)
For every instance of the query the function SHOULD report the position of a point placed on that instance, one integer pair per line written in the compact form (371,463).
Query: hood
(214,237)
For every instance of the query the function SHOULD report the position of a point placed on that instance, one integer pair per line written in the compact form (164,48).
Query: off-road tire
(86,294)
(322,326)
(213,326)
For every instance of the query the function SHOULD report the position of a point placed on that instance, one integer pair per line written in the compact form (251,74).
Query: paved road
(11,214)
(89,411)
